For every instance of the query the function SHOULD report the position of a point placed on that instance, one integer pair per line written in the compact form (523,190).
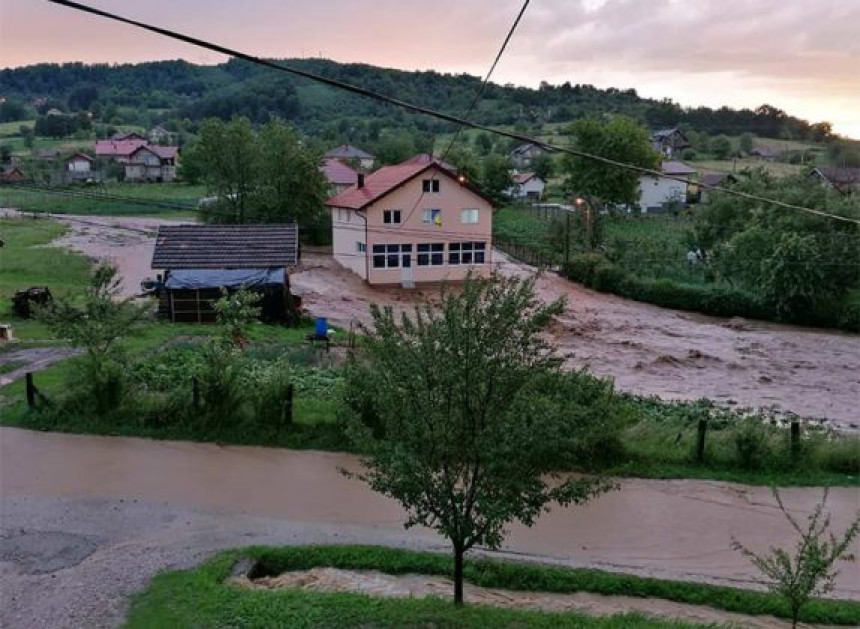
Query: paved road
(87,520)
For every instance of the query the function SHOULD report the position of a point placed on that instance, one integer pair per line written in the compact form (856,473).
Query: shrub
(751,445)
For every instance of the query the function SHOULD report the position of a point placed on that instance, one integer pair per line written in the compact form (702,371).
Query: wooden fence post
(795,439)
(195,393)
(700,440)
(288,405)
(31,390)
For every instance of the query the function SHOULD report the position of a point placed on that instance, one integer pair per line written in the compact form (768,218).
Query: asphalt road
(86,521)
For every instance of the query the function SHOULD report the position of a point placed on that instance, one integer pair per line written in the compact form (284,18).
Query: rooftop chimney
(360,183)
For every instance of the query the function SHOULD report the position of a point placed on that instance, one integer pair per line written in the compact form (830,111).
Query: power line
(438,114)
(475,99)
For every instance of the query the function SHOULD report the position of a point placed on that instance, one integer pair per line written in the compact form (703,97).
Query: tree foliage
(809,570)
(470,414)
(621,140)
(263,176)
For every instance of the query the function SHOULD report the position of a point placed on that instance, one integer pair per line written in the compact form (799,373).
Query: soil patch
(382,585)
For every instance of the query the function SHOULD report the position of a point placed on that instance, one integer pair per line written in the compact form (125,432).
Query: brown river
(670,529)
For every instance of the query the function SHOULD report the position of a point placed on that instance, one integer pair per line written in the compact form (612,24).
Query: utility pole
(567,237)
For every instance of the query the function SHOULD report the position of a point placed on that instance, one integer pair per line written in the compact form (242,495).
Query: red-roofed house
(412,223)
(119,150)
(152,163)
(338,175)
(346,152)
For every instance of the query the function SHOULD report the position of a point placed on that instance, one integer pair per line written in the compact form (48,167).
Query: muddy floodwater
(669,529)
(647,350)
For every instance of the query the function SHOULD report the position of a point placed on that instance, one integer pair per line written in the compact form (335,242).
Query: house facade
(669,142)
(659,194)
(843,179)
(152,163)
(523,155)
(526,187)
(410,224)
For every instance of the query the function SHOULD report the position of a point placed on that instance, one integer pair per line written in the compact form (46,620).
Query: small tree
(97,323)
(809,571)
(721,147)
(234,312)
(464,425)
(746,142)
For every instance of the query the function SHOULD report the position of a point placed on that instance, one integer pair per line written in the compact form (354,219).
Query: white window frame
(390,215)
(431,186)
(391,255)
(428,216)
(469,213)
(360,246)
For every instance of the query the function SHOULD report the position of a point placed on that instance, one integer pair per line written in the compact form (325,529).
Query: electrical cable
(434,113)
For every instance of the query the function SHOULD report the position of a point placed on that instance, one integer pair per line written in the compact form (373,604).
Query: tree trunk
(458,574)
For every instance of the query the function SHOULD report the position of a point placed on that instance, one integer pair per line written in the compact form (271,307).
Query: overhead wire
(362,91)
(474,101)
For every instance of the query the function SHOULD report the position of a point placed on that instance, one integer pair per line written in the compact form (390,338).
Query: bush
(751,445)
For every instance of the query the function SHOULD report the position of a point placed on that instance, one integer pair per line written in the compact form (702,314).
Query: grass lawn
(25,261)
(776,169)
(114,199)
(198,597)
(10,129)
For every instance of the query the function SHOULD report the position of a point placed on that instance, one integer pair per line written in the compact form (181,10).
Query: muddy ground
(646,349)
(87,520)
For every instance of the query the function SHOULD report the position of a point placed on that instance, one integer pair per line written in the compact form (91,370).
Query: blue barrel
(321,327)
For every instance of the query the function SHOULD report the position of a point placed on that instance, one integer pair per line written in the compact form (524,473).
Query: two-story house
(412,223)
(152,163)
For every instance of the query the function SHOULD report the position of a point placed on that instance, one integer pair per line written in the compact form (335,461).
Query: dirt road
(86,520)
(647,350)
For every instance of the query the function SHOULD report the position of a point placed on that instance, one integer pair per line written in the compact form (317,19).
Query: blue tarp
(228,278)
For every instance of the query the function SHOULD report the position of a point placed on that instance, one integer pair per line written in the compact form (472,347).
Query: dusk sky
(800,55)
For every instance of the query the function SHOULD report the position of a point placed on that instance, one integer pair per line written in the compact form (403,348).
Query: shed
(199,260)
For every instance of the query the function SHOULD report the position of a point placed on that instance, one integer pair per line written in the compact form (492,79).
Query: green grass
(199,598)
(9,129)
(12,365)
(776,169)
(25,261)
(97,202)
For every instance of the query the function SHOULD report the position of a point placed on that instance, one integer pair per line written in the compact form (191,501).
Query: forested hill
(159,92)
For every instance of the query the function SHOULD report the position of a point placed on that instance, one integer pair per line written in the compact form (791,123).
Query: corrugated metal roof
(226,246)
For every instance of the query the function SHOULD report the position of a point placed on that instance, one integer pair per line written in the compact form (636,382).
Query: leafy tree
(12,110)
(621,140)
(28,135)
(228,156)
(469,418)
(83,97)
(808,571)
(543,165)
(721,147)
(496,174)
(483,143)
(745,143)
(794,279)
(291,187)
(97,323)
(234,311)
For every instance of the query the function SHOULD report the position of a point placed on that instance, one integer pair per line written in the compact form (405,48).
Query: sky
(800,55)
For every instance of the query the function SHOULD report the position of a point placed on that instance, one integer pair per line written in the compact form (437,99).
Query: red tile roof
(165,152)
(388,179)
(118,148)
(346,151)
(426,158)
(338,173)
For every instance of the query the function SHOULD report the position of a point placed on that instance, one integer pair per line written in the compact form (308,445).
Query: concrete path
(87,520)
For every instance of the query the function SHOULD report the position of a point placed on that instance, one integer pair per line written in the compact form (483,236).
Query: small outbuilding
(199,261)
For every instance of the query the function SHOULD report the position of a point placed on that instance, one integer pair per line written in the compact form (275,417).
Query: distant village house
(412,223)
(346,152)
(842,179)
(78,167)
(141,161)
(668,142)
(523,155)
(338,175)
(526,187)
(659,194)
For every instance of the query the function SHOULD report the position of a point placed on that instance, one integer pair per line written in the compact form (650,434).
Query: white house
(657,193)
(526,186)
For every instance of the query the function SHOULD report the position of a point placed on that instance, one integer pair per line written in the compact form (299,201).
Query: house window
(431,254)
(469,217)
(392,256)
(467,253)
(430,185)
(390,217)
(431,217)
(360,246)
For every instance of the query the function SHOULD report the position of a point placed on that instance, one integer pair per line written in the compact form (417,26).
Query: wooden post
(700,440)
(567,238)
(288,405)
(31,390)
(795,439)
(195,393)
